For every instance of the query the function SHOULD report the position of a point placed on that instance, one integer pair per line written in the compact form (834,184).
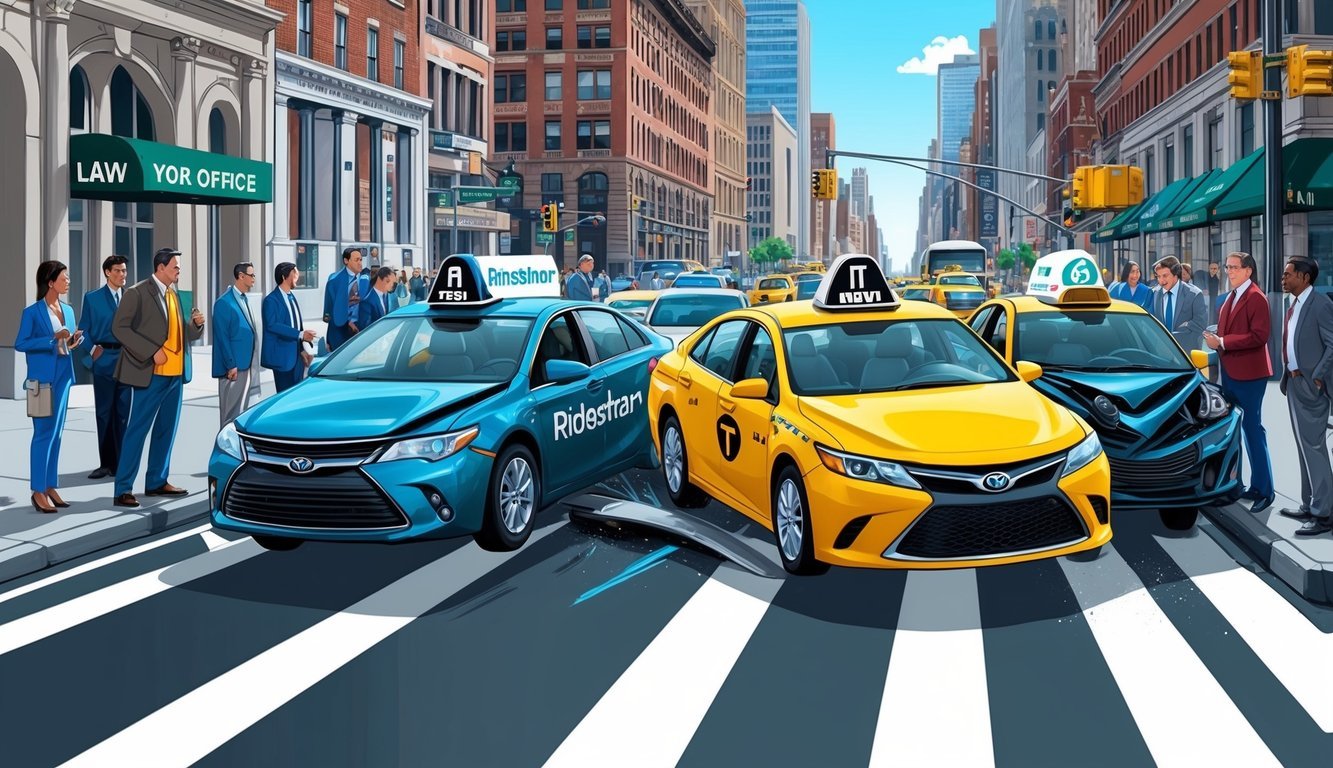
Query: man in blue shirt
(234,344)
(283,351)
(579,285)
(380,301)
(342,295)
(111,397)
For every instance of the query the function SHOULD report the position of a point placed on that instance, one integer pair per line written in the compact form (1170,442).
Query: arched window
(1041,91)
(217,132)
(130,113)
(133,222)
(80,101)
(80,121)
(1050,59)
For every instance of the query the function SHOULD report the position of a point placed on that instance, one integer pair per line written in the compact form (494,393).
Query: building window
(511,40)
(1169,162)
(80,101)
(1245,116)
(511,137)
(554,38)
(585,5)
(553,89)
(373,54)
(584,37)
(512,87)
(553,135)
(340,41)
(304,23)
(511,6)
(131,117)
(555,5)
(553,187)
(594,134)
(1050,60)
(1041,91)
(594,84)
(1036,29)
(1041,62)
(1187,150)
(398,64)
(1041,121)
(1148,186)
(1050,29)
(602,37)
(1215,142)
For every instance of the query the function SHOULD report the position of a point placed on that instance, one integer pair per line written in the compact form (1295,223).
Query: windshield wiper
(932,384)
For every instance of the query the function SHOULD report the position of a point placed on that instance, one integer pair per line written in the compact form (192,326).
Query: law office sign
(104,167)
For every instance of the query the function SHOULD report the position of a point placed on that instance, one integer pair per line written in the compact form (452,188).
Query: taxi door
(709,369)
(744,470)
(626,374)
(992,323)
(568,428)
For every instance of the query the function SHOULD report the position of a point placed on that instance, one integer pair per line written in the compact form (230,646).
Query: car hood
(1135,389)
(327,409)
(968,424)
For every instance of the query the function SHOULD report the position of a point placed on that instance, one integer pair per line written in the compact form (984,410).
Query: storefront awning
(1198,210)
(1115,229)
(1171,200)
(1307,182)
(105,167)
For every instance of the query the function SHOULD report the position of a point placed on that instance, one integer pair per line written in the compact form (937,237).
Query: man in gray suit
(1180,306)
(1307,356)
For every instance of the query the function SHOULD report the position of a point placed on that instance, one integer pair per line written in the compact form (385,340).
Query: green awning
(1307,180)
(1184,191)
(1155,206)
(1115,229)
(1198,210)
(105,167)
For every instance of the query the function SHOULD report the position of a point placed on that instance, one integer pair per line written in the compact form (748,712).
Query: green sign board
(477,194)
(105,167)
(569,235)
(442,199)
(545,238)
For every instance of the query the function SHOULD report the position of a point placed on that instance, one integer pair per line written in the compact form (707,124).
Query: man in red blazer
(1241,341)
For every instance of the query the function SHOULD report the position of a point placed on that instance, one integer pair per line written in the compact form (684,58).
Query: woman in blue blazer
(1131,288)
(46,335)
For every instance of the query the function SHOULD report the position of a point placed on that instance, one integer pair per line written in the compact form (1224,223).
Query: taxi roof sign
(854,283)
(1068,277)
(465,280)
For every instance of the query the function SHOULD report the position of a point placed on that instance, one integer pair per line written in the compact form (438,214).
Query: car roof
(802,314)
(700,292)
(643,293)
(1036,304)
(525,307)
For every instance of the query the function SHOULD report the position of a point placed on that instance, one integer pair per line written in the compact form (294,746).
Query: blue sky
(857,47)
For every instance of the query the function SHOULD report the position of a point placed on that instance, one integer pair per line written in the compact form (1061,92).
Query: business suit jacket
(337,311)
(282,340)
(233,336)
(578,287)
(140,326)
(99,308)
(1189,314)
(371,309)
(1314,339)
(1244,327)
(37,340)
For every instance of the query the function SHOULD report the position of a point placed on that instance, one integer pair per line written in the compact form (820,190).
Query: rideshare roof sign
(1056,273)
(854,283)
(465,280)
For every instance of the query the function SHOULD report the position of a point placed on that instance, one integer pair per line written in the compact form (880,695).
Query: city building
(956,97)
(617,122)
(1071,130)
(127,129)
(777,74)
(824,213)
(983,210)
(350,139)
(860,195)
(457,65)
(771,161)
(724,21)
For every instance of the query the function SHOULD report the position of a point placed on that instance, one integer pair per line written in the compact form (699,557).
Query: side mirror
(1028,371)
(750,389)
(1200,358)
(315,365)
(566,371)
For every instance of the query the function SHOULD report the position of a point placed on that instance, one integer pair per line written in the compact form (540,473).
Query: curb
(1311,578)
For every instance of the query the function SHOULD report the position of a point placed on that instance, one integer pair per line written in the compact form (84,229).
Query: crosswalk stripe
(935,708)
(1160,676)
(204,719)
(649,715)
(1283,639)
(71,613)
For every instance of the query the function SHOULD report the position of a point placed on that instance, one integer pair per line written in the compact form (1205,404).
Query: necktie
(245,305)
(116,296)
(1170,326)
(1286,322)
(296,315)
(384,302)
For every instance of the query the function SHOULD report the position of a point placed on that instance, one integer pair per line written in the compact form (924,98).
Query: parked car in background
(678,312)
(699,280)
(633,303)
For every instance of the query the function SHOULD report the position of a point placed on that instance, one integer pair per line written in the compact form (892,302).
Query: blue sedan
(461,416)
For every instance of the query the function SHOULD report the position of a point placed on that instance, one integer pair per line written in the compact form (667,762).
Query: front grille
(948,533)
(311,450)
(959,486)
(341,500)
(1155,474)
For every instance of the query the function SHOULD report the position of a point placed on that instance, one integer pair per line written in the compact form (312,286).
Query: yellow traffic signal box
(1247,74)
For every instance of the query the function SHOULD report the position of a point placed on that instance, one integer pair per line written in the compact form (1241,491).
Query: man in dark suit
(1241,341)
(1179,305)
(342,294)
(110,396)
(283,351)
(155,359)
(380,301)
(1307,360)
(234,332)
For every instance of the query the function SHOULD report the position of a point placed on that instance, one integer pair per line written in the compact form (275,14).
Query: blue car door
(619,358)
(569,426)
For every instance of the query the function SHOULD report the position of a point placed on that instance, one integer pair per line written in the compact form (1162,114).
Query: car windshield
(960,280)
(917,294)
(1097,341)
(887,356)
(692,309)
(774,284)
(806,289)
(696,281)
(419,348)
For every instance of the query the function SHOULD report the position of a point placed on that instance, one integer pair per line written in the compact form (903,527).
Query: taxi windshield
(774,283)
(1097,341)
(888,356)
(916,294)
(692,309)
(806,289)
(960,280)
(419,348)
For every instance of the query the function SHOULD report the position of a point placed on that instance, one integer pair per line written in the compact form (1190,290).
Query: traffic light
(824,183)
(1135,186)
(1078,194)
(1247,74)
(550,217)
(1309,72)
(1072,216)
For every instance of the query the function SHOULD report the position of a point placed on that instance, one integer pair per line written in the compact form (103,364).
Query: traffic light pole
(1272,81)
(590,217)
(830,154)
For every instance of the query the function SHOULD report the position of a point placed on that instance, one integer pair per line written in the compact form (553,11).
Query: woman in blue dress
(1130,287)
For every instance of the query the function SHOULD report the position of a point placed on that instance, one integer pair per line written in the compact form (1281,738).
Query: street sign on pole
(545,238)
(477,194)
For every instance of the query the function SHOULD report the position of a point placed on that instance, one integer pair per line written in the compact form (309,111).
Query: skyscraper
(957,92)
(777,74)
(860,192)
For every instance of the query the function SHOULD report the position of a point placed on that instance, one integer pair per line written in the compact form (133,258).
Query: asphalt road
(592,646)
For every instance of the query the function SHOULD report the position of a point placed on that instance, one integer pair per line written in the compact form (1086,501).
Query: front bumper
(1199,470)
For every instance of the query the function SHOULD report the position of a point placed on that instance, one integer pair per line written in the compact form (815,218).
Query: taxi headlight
(229,441)
(865,468)
(1082,454)
(1213,404)
(431,447)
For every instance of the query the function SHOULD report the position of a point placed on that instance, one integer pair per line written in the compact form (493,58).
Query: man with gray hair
(579,285)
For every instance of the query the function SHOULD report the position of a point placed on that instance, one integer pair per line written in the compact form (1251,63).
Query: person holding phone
(46,335)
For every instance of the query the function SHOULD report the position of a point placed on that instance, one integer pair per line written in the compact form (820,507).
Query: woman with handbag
(47,334)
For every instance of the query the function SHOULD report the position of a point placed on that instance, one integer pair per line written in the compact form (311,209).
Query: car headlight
(1213,404)
(431,447)
(1082,454)
(229,441)
(865,468)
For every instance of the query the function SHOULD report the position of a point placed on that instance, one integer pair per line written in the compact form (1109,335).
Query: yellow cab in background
(957,291)
(864,431)
(772,289)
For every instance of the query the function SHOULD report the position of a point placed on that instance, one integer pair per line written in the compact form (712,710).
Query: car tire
(1181,519)
(276,543)
(791,525)
(676,467)
(512,498)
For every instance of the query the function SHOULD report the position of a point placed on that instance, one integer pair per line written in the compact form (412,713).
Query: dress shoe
(166,489)
(40,507)
(1315,526)
(55,498)
(1261,504)
(98,474)
(1296,514)
(126,500)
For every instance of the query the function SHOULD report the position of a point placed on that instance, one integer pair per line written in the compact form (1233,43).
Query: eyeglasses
(248,274)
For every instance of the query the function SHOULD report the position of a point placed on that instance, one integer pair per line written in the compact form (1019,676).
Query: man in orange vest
(155,345)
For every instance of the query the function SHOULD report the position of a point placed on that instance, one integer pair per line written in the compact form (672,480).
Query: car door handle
(685,379)
(728,406)
(594,385)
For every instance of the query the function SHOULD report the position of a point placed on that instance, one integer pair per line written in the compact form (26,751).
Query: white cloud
(940,51)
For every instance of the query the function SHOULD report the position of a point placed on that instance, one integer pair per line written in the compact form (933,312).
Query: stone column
(55,131)
(191,237)
(345,150)
(254,132)
(376,181)
(282,173)
(305,228)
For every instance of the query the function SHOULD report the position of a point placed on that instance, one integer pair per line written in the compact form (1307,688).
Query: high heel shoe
(38,506)
(55,499)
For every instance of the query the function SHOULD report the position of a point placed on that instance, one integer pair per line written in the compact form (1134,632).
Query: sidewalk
(1305,564)
(31,541)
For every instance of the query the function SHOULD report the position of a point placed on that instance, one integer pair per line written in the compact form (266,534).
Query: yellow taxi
(633,303)
(773,289)
(957,291)
(864,431)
